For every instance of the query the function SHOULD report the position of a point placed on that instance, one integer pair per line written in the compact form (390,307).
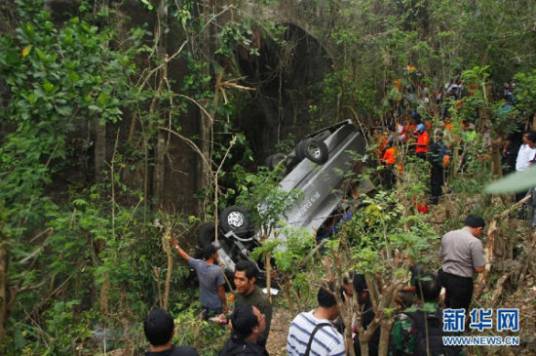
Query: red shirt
(423,140)
(389,156)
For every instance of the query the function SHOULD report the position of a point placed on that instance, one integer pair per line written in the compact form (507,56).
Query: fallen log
(490,246)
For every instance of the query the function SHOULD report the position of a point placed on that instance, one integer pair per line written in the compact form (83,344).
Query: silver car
(316,169)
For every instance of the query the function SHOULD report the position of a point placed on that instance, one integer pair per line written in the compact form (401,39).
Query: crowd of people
(418,324)
(417,328)
(421,125)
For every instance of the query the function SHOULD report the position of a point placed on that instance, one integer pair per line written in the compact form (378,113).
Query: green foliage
(57,80)
(147,4)
(414,180)
(67,240)
(67,329)
(379,229)
(207,337)
(504,118)
(263,197)
(298,245)
(342,88)
(197,81)
(525,91)
(63,246)
(376,40)
(235,34)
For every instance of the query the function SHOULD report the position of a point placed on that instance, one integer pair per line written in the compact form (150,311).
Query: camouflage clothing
(403,333)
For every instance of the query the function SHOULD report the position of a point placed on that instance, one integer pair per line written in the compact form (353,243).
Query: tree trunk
(349,342)
(100,150)
(206,122)
(496,163)
(363,347)
(268,268)
(146,179)
(104,295)
(3,289)
(385,330)
(169,254)
(159,169)
(287,287)
(100,175)
(203,175)
(161,35)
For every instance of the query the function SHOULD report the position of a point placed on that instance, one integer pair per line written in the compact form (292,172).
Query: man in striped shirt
(312,333)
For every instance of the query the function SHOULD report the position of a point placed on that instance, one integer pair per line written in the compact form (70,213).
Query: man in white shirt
(527,151)
(312,333)
(526,156)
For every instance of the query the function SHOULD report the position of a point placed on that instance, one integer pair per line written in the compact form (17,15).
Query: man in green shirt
(248,293)
(418,330)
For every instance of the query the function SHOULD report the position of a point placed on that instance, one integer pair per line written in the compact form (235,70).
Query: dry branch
(157,68)
(490,245)
(191,144)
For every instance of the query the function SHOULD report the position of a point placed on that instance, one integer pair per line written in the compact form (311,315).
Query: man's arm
(180,251)
(266,309)
(338,349)
(221,295)
(477,254)
(220,282)
(479,269)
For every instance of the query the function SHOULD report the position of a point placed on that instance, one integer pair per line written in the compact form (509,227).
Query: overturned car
(316,169)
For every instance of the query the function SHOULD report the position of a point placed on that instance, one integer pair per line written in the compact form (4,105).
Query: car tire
(205,234)
(316,151)
(273,160)
(300,150)
(235,218)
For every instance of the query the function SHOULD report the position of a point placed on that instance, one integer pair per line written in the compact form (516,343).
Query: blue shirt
(210,278)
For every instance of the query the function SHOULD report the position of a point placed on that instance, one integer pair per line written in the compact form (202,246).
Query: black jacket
(175,351)
(235,346)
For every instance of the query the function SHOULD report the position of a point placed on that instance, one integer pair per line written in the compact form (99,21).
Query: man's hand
(180,251)
(174,243)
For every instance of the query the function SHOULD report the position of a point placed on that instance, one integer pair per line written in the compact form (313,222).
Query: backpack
(433,328)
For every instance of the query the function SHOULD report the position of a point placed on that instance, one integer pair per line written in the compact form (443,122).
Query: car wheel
(205,234)
(316,151)
(235,218)
(274,160)
(300,149)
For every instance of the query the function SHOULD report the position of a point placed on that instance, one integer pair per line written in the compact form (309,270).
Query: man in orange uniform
(423,141)
(389,156)
(389,161)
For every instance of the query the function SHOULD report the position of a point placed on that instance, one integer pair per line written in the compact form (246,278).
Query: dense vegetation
(125,122)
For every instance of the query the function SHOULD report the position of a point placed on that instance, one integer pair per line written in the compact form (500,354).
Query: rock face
(288,82)
(287,77)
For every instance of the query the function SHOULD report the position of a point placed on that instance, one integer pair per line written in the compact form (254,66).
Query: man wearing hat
(423,140)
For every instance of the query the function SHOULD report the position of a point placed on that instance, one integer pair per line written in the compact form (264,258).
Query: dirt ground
(277,341)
